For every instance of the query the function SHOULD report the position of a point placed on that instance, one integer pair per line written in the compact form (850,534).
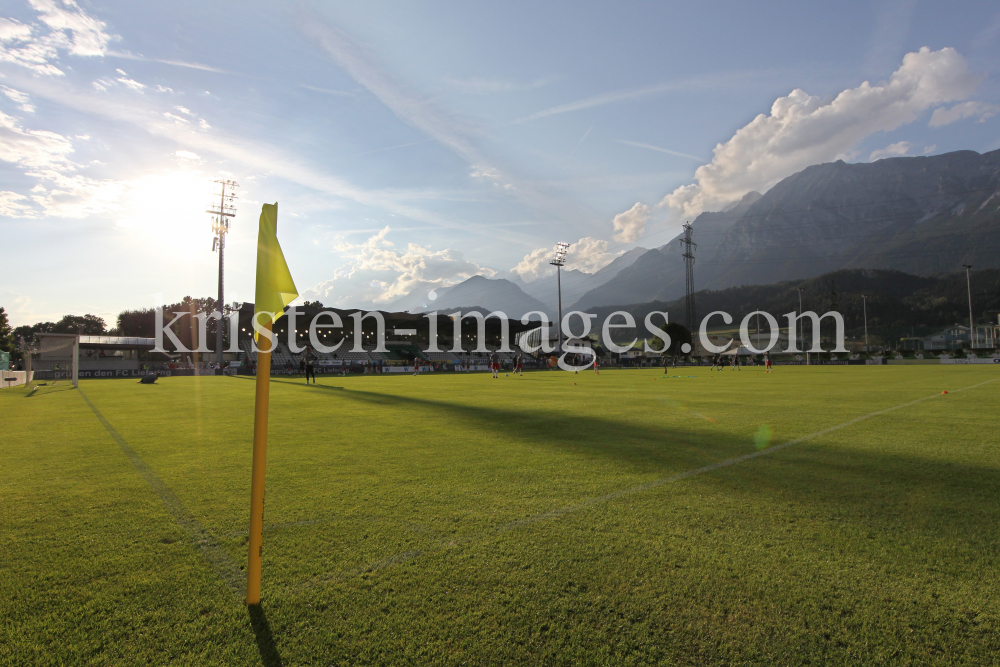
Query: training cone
(944,392)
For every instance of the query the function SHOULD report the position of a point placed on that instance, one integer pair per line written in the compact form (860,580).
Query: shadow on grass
(45,390)
(289,381)
(882,490)
(649,447)
(879,492)
(269,656)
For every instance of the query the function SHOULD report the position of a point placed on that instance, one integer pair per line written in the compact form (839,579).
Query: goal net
(55,358)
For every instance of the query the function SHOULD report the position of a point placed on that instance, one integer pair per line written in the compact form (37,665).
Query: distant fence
(832,362)
(787,362)
(987,360)
(12,378)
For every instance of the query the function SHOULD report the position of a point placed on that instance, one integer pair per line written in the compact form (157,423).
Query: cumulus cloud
(961,111)
(587,255)
(803,130)
(11,30)
(534,265)
(13,205)
(18,46)
(83,35)
(134,85)
(378,273)
(69,29)
(897,149)
(630,224)
(59,192)
(21,99)
(77,196)
(37,149)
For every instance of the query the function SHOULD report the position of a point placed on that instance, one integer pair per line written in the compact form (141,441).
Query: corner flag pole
(275,290)
(260,406)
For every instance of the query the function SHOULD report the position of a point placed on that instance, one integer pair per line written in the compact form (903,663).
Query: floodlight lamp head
(560,256)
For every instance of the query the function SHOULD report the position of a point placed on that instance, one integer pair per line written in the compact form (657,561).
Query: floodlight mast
(689,247)
(972,327)
(220,227)
(864,305)
(558,261)
(803,327)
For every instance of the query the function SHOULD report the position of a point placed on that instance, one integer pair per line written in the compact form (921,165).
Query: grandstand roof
(118,342)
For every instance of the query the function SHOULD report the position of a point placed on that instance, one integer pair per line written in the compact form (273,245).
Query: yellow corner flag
(275,290)
(275,287)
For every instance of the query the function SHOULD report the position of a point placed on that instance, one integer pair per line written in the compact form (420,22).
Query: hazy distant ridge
(921,215)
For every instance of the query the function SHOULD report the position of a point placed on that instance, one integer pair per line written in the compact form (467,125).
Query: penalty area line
(600,500)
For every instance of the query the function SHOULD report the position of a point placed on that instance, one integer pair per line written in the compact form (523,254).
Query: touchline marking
(639,488)
(600,500)
(199,537)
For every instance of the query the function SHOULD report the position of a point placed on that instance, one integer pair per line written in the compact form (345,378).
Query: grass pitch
(457,519)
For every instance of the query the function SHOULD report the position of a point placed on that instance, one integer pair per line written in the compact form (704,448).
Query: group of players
(734,364)
(495,365)
(717,363)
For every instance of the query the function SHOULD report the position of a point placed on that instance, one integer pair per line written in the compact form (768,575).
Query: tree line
(139,322)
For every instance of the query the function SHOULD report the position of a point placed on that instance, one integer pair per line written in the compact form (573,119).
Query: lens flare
(763,436)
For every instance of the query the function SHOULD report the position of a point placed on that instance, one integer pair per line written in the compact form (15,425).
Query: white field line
(198,536)
(600,500)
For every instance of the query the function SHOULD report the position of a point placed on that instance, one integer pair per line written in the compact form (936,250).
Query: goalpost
(55,358)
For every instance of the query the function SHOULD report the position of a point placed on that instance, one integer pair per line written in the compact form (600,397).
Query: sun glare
(169,205)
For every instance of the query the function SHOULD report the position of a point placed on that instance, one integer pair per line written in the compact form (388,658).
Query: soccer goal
(55,358)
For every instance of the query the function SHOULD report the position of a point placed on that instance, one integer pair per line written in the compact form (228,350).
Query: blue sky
(411,145)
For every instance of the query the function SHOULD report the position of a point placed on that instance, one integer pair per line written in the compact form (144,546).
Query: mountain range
(515,297)
(919,215)
(895,304)
(576,283)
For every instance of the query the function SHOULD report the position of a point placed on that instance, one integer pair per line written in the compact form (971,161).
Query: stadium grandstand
(406,341)
(54,357)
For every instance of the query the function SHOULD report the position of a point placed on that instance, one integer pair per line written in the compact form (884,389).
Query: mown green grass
(456,519)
